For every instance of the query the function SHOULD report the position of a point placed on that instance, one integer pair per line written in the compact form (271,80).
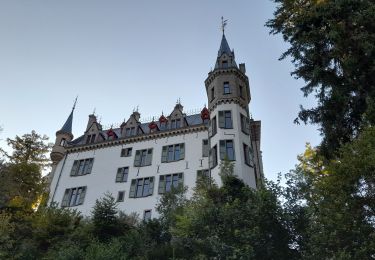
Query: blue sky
(117,55)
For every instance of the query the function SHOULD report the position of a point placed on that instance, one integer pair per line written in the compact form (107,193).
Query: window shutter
(164,154)
(210,129)
(119,175)
(221,119)
(137,158)
(222,149)
(247,125)
(82,197)
(151,186)
(181,179)
(182,151)
(73,172)
(122,152)
(65,200)
(89,168)
(161,188)
(132,189)
(148,157)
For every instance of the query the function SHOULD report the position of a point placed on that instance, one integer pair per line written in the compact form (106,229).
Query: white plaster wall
(107,160)
(242,170)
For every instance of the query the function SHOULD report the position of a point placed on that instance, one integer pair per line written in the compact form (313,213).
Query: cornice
(136,139)
(217,72)
(233,100)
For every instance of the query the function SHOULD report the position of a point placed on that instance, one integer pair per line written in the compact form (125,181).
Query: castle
(138,162)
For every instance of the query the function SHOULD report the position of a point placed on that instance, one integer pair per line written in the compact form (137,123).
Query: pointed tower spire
(67,127)
(225,57)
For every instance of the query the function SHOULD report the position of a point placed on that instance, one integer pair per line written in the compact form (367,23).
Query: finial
(93,112)
(137,108)
(75,103)
(223,24)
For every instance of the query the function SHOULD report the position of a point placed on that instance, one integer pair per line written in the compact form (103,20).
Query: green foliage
(233,222)
(104,217)
(29,148)
(332,44)
(332,204)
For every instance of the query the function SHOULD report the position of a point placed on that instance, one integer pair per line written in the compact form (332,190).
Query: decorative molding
(135,139)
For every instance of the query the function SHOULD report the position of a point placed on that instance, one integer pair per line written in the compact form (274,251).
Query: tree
(332,204)
(333,49)
(30,148)
(233,222)
(21,182)
(104,218)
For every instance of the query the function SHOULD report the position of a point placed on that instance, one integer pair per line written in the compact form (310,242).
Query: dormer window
(224,64)
(90,139)
(226,88)
(130,131)
(175,123)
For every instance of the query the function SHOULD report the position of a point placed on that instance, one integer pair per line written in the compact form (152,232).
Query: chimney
(242,68)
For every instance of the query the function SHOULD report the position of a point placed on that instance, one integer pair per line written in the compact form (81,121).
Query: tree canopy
(332,45)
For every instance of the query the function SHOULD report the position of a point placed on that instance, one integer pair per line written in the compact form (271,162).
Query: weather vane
(223,24)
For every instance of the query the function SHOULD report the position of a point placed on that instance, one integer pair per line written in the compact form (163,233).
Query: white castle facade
(138,162)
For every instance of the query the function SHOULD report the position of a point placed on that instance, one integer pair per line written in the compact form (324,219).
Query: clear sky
(117,55)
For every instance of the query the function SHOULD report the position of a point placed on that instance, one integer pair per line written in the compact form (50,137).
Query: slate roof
(224,47)
(191,120)
(67,127)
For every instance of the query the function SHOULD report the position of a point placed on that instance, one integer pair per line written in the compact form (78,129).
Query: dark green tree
(29,148)
(332,45)
(233,222)
(105,219)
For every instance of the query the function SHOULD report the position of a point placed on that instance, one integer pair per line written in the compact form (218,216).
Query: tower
(63,136)
(228,94)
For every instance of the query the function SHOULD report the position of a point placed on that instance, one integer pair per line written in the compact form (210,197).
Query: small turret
(63,136)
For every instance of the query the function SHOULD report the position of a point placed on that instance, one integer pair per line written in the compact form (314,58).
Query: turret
(228,94)
(63,136)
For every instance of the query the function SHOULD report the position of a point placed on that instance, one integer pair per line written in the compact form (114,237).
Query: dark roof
(191,120)
(67,127)
(224,47)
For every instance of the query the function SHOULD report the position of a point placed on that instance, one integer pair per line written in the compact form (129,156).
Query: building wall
(107,160)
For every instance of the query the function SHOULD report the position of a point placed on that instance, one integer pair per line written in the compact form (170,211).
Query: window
(147,215)
(245,124)
(166,182)
(126,152)
(213,157)
(226,88)
(203,175)
(143,157)
(130,131)
(241,92)
(172,153)
(142,187)
(62,142)
(120,196)
(82,167)
(248,153)
(213,127)
(205,148)
(122,174)
(225,64)
(73,197)
(90,139)
(227,150)
(175,123)
(225,119)
(212,93)
(163,125)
